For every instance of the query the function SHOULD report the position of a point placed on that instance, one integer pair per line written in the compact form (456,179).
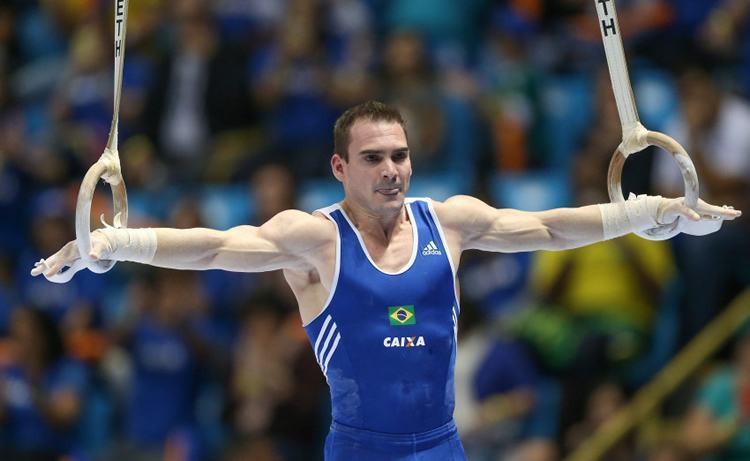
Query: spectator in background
(717,29)
(607,292)
(519,409)
(262,372)
(82,105)
(170,350)
(352,48)
(291,81)
(276,389)
(200,92)
(504,408)
(718,425)
(513,85)
(713,129)
(603,402)
(41,392)
(442,129)
(597,303)
(42,31)
(249,22)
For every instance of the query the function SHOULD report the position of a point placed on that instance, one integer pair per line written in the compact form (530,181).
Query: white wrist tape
(137,245)
(633,215)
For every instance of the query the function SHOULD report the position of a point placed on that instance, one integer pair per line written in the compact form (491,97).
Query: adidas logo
(431,250)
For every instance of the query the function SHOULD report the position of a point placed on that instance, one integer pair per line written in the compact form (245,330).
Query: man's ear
(337,166)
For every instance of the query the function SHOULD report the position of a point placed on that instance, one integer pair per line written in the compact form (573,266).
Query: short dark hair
(370,110)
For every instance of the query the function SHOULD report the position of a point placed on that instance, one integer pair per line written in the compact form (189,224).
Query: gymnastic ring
(689,177)
(105,167)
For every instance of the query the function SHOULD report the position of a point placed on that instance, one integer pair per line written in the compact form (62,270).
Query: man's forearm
(242,248)
(572,227)
(575,227)
(162,247)
(186,248)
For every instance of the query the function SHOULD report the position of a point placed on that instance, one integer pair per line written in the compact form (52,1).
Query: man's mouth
(390,191)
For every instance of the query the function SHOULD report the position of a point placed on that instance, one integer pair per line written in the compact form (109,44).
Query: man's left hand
(702,220)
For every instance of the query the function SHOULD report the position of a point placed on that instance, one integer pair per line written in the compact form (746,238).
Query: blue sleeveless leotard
(386,343)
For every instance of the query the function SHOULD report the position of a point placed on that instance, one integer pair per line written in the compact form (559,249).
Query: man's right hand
(101,248)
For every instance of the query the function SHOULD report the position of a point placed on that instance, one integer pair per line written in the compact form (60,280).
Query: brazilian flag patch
(402,315)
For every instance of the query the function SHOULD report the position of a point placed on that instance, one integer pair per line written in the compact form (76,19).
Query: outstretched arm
(482,227)
(286,241)
(281,243)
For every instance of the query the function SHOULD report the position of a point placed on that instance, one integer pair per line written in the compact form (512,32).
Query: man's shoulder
(300,220)
(300,225)
(454,208)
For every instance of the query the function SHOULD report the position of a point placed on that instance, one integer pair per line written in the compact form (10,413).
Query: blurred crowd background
(226,119)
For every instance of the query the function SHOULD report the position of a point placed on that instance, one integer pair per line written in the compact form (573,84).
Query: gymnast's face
(377,173)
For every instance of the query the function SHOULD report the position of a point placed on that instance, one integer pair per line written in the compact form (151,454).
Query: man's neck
(375,225)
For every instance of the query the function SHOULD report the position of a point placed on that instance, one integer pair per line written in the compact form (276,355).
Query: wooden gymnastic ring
(689,177)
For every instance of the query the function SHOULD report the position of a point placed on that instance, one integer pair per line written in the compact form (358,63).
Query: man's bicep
(296,237)
(283,242)
(243,249)
(483,227)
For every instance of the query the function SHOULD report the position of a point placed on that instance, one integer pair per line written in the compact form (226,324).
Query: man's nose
(389,170)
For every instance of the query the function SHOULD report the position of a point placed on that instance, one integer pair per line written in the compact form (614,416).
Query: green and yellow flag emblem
(402,315)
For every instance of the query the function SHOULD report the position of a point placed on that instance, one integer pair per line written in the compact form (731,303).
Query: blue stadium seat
(567,103)
(531,191)
(439,186)
(656,97)
(318,193)
(226,206)
(147,204)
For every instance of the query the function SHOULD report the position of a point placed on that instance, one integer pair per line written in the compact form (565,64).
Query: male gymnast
(375,279)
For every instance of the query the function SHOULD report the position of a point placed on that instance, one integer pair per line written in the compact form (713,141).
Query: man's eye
(371,158)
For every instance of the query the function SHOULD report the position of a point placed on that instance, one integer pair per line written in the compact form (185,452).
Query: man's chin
(389,202)
(393,206)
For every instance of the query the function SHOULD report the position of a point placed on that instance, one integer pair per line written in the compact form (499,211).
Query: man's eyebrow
(380,152)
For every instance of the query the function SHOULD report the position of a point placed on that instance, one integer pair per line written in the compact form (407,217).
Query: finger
(65,257)
(39,267)
(730,213)
(718,212)
(689,213)
(57,265)
(97,249)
